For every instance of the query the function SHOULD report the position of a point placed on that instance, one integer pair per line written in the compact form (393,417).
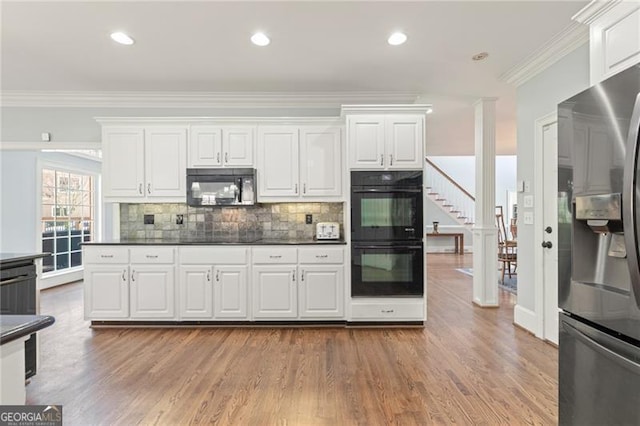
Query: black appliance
(598,247)
(386,206)
(215,187)
(18,297)
(387,257)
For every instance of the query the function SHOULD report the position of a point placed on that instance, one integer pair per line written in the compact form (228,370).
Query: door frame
(538,219)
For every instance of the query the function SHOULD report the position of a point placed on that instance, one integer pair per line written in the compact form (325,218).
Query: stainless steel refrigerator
(598,249)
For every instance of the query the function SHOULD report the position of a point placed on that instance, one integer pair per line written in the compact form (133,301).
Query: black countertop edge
(19,257)
(160,242)
(16,326)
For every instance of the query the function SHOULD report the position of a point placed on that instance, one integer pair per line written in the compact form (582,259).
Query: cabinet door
(106,292)
(278,161)
(321,291)
(230,298)
(196,294)
(275,292)
(152,291)
(320,162)
(205,146)
(366,142)
(166,162)
(123,162)
(238,143)
(404,141)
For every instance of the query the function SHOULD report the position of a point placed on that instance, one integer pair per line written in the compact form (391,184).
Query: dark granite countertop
(18,257)
(224,241)
(13,327)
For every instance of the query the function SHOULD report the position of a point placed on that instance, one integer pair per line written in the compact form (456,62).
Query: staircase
(447,194)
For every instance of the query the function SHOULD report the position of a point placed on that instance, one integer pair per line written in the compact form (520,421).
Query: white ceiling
(317,46)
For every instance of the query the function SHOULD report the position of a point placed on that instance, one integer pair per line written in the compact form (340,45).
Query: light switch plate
(528,201)
(528,218)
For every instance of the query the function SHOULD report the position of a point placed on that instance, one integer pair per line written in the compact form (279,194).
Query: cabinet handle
(149,188)
(293,276)
(133,276)
(321,256)
(218,275)
(218,158)
(296,189)
(302,276)
(387,311)
(151,256)
(140,189)
(304,188)
(275,257)
(226,157)
(106,256)
(391,159)
(208,275)
(124,275)
(382,159)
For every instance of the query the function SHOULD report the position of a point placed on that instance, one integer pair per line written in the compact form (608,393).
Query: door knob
(548,230)
(547,244)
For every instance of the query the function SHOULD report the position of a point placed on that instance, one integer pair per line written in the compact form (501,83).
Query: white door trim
(538,218)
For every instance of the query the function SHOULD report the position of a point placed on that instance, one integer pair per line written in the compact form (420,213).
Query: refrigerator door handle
(602,349)
(631,218)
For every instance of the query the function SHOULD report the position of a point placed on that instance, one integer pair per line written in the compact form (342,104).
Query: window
(67,217)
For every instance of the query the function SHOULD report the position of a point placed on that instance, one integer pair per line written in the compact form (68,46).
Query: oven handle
(411,191)
(355,246)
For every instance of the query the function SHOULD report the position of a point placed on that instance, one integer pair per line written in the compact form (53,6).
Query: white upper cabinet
(221,146)
(278,162)
(144,163)
(299,163)
(390,141)
(614,37)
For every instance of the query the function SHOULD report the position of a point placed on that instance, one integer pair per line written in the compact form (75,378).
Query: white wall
(536,98)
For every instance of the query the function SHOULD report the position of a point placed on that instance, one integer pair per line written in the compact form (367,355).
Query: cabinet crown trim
(215,121)
(386,109)
(594,10)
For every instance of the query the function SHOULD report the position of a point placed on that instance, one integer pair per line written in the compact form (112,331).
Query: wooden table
(457,236)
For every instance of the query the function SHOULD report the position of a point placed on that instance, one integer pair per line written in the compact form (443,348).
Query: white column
(485,232)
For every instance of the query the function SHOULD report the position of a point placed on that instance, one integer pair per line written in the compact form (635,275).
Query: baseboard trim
(525,318)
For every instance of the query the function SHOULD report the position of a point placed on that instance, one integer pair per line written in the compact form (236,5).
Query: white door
(166,162)
(230,296)
(366,142)
(278,161)
(196,292)
(106,291)
(320,162)
(404,141)
(238,143)
(152,291)
(321,291)
(123,162)
(550,223)
(205,146)
(275,292)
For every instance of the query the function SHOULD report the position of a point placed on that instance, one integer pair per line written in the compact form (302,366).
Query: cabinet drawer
(105,254)
(387,311)
(275,255)
(152,255)
(199,255)
(321,255)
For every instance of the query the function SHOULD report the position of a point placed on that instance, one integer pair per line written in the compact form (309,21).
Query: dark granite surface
(197,241)
(13,327)
(17,257)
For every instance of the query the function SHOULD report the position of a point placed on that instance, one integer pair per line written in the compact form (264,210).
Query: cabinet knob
(124,275)
(218,275)
(226,157)
(302,276)
(296,188)
(391,159)
(208,275)
(149,188)
(133,276)
(548,230)
(218,158)
(382,159)
(293,276)
(547,244)
(140,189)
(304,188)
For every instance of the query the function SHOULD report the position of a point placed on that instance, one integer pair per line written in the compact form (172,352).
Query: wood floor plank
(467,366)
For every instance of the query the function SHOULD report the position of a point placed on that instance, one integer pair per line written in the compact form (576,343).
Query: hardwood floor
(467,366)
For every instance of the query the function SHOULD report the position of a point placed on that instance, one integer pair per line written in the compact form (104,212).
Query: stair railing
(454,198)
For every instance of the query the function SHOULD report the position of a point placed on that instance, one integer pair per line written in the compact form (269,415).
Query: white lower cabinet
(106,291)
(321,291)
(275,292)
(230,292)
(152,291)
(196,292)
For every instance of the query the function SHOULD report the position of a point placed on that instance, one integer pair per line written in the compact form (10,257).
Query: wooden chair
(507,249)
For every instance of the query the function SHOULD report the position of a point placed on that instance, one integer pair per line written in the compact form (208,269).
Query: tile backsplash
(278,221)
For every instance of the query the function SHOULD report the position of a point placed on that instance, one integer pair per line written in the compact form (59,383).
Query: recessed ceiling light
(480,56)
(397,38)
(260,39)
(122,38)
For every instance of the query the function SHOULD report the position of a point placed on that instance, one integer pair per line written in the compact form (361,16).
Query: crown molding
(217,121)
(594,10)
(563,43)
(380,109)
(266,100)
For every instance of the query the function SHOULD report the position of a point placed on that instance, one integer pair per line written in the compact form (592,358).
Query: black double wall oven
(386,234)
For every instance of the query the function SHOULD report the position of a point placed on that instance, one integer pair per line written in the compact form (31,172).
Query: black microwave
(221,187)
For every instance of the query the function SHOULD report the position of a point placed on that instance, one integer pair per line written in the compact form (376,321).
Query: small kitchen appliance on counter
(328,231)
